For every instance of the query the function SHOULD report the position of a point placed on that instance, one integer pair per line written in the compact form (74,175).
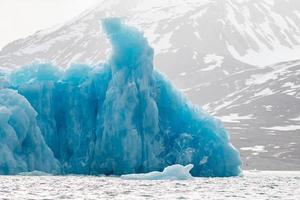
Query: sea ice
(119,117)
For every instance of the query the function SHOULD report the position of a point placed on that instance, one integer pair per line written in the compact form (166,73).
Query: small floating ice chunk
(34,173)
(173,172)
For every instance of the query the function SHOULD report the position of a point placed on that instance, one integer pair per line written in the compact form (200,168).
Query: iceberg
(114,118)
(173,172)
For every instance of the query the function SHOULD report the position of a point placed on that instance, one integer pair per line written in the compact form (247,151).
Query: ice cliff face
(22,146)
(114,118)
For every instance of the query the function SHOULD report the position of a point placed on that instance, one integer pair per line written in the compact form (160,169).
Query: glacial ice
(119,117)
(173,172)
(22,146)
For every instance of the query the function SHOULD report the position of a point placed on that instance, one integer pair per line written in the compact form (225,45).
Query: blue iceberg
(119,117)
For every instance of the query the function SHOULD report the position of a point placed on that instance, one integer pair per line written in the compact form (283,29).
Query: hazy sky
(20,18)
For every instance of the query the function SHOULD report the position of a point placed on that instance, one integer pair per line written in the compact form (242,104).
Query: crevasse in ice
(117,118)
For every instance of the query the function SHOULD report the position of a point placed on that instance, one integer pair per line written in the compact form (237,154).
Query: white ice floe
(173,172)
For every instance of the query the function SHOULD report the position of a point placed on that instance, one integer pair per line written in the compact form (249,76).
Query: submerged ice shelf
(117,118)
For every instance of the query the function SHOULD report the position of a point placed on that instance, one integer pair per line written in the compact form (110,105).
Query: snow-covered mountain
(221,53)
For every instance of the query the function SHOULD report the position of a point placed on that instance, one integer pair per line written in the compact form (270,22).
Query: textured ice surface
(4,83)
(173,172)
(120,117)
(22,146)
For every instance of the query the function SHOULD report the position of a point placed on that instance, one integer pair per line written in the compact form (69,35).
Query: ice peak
(130,48)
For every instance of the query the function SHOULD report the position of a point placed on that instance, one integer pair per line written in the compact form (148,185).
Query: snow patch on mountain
(264,92)
(213,60)
(264,56)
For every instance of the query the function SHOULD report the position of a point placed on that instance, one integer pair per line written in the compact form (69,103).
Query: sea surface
(252,185)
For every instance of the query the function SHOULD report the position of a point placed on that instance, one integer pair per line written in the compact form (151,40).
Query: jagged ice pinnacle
(119,117)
